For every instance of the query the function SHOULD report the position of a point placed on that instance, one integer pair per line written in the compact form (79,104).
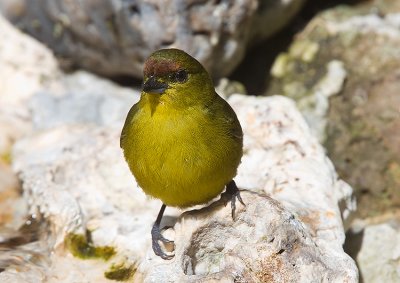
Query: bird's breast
(165,140)
(186,154)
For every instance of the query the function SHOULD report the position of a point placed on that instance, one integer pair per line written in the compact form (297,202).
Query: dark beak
(152,85)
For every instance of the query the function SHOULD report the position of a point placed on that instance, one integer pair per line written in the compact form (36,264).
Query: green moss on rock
(81,246)
(120,272)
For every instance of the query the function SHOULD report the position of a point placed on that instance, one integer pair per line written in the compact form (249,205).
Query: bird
(182,141)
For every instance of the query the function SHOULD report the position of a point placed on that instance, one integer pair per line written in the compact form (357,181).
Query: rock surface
(353,54)
(76,181)
(379,256)
(375,244)
(115,37)
(77,178)
(13,208)
(266,243)
(81,98)
(26,67)
(361,124)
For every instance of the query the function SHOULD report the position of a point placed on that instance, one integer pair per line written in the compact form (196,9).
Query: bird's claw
(234,193)
(156,236)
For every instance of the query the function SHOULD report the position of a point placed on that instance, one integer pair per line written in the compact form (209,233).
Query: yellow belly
(181,159)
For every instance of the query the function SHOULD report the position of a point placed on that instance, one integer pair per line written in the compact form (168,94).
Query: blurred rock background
(339,60)
(115,37)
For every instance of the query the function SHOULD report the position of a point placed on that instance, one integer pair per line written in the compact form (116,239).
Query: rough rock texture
(33,95)
(26,66)
(81,98)
(379,256)
(375,244)
(12,207)
(33,91)
(312,87)
(77,178)
(115,37)
(266,243)
(363,119)
(78,98)
(76,181)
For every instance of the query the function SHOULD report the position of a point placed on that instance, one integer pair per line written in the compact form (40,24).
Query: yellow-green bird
(182,141)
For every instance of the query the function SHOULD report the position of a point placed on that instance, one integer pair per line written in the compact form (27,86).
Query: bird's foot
(233,191)
(156,236)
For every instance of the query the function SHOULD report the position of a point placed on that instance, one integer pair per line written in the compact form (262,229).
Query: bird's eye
(180,76)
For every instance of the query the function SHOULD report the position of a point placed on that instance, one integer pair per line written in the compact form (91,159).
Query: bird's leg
(234,193)
(157,236)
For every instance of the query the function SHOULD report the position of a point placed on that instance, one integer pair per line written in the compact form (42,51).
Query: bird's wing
(228,116)
(134,109)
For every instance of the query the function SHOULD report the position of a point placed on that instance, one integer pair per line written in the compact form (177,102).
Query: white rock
(81,97)
(33,89)
(370,23)
(378,249)
(13,208)
(266,243)
(286,161)
(26,67)
(76,175)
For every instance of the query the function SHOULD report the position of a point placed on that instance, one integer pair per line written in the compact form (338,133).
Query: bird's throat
(153,100)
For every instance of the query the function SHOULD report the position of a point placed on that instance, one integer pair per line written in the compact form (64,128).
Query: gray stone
(26,67)
(348,90)
(81,98)
(266,243)
(114,37)
(379,256)
(375,244)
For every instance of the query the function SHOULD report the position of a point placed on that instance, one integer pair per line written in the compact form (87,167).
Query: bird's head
(175,79)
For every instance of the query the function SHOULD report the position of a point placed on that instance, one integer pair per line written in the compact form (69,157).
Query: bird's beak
(152,85)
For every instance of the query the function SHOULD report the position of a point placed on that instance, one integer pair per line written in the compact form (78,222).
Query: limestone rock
(77,178)
(375,244)
(115,37)
(26,66)
(266,243)
(81,97)
(13,208)
(76,181)
(35,94)
(342,61)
